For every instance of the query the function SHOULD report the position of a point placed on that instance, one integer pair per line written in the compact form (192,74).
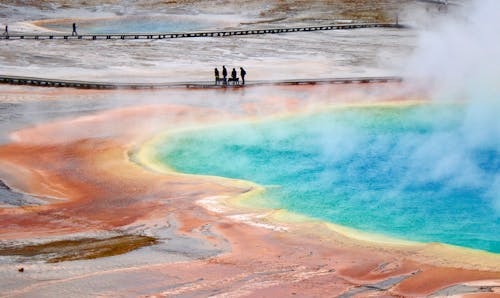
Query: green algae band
(81,249)
(406,171)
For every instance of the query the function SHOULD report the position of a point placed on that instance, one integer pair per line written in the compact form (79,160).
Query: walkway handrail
(171,35)
(47,82)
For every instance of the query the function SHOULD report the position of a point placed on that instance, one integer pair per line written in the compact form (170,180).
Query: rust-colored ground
(85,164)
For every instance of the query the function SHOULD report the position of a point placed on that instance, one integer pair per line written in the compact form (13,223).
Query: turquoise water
(403,171)
(130,24)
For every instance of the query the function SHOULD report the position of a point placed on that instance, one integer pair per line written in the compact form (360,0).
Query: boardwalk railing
(439,2)
(44,82)
(59,36)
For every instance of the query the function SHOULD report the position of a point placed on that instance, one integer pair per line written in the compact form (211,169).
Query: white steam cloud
(461,53)
(460,60)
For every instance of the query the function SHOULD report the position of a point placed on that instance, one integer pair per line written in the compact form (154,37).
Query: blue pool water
(403,171)
(131,24)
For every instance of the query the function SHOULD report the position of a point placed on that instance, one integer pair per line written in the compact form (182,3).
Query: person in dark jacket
(74,30)
(234,75)
(243,73)
(6,30)
(216,76)
(224,73)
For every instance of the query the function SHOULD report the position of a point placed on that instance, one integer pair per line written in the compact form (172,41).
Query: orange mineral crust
(85,168)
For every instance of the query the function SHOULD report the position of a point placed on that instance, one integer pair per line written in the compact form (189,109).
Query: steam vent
(341,148)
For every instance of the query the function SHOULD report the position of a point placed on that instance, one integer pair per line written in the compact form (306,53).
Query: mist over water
(400,171)
(460,62)
(426,173)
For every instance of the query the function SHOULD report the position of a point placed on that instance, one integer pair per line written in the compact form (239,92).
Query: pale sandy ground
(363,52)
(367,52)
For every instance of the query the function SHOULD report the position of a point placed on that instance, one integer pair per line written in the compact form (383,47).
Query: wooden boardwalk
(44,82)
(439,2)
(68,36)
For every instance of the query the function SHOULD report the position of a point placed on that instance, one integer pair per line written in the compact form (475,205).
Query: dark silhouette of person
(233,75)
(224,73)
(243,73)
(216,76)
(6,30)
(74,30)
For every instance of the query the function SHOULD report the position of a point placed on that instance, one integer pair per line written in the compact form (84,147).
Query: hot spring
(135,24)
(399,170)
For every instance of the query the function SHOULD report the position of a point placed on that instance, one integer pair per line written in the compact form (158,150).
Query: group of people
(233,80)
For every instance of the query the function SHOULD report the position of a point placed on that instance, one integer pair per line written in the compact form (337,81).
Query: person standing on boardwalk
(243,73)
(224,73)
(234,75)
(74,30)
(216,76)
(6,30)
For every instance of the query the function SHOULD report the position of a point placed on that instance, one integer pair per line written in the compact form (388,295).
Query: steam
(462,54)
(461,62)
